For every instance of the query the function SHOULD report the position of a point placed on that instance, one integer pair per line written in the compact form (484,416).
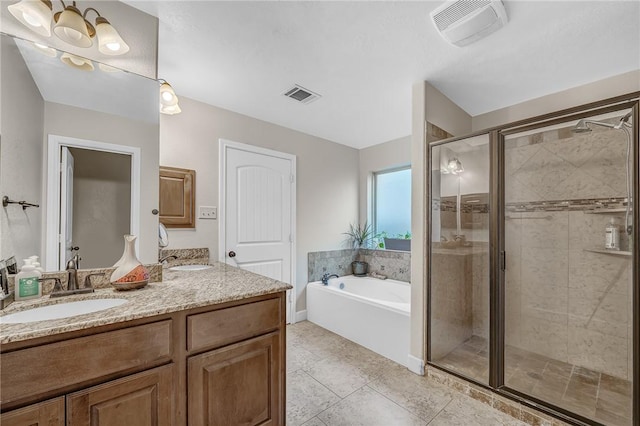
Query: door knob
(232,253)
(75,248)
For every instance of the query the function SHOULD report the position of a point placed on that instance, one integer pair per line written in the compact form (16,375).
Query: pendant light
(72,28)
(34,14)
(168,99)
(77,62)
(109,41)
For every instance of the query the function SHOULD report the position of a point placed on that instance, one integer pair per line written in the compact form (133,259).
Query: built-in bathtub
(371,312)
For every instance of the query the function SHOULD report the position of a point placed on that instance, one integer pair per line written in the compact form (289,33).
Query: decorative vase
(130,273)
(359,268)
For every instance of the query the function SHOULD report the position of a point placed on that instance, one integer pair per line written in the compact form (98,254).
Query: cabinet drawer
(233,324)
(34,371)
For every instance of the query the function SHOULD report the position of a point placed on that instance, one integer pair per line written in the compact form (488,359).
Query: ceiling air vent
(463,22)
(300,94)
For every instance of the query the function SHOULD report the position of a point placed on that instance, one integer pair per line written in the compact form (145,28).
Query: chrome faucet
(327,277)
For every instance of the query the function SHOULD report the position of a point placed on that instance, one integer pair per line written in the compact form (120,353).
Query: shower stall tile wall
(558,292)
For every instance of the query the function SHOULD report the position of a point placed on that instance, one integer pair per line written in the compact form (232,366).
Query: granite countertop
(178,291)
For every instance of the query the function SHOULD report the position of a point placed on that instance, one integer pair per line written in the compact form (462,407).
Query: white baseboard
(301,315)
(416,365)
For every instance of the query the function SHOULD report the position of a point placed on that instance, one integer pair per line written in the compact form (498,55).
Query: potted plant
(359,236)
(400,242)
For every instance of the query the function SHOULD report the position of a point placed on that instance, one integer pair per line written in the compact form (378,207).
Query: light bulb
(31,20)
(73,34)
(167,96)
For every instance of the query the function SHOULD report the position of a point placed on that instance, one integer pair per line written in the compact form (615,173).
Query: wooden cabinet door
(177,197)
(239,384)
(143,399)
(47,413)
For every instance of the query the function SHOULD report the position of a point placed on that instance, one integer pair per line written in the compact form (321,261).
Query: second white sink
(190,267)
(61,310)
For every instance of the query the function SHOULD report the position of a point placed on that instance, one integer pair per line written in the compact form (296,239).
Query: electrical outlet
(207,212)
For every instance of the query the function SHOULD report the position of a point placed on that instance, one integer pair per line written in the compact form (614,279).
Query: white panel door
(66,207)
(258,232)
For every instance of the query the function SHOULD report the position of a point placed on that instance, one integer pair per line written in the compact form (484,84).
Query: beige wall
(79,123)
(327,177)
(592,92)
(21,145)
(101,205)
(388,155)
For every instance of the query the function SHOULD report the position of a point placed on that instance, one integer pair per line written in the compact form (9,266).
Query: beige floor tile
(306,398)
(338,376)
(314,422)
(299,358)
(367,407)
(419,395)
(464,410)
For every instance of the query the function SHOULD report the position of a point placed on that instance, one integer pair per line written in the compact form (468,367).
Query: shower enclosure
(533,278)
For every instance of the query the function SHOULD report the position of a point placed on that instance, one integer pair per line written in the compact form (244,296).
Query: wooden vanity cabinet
(46,413)
(219,365)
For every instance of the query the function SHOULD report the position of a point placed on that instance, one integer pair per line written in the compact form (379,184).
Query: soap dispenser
(27,282)
(612,236)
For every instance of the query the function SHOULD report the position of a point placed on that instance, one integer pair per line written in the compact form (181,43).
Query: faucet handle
(57,285)
(87,280)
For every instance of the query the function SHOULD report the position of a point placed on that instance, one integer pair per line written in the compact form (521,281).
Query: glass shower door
(568,266)
(459,257)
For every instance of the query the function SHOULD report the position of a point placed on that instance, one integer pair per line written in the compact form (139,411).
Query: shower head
(581,127)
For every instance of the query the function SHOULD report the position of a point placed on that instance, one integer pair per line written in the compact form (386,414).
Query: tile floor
(599,396)
(333,381)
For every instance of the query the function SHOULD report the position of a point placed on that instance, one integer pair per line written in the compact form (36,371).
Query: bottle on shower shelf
(612,236)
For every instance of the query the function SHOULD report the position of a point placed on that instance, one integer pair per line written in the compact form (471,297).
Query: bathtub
(373,313)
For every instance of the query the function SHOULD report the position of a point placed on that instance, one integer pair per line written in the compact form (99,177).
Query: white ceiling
(363,58)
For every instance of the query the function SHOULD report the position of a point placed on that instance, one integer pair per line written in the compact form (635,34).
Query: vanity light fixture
(35,15)
(71,25)
(77,62)
(168,99)
(455,166)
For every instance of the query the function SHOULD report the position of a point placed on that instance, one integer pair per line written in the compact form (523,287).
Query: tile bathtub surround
(333,381)
(100,281)
(393,264)
(330,262)
(188,256)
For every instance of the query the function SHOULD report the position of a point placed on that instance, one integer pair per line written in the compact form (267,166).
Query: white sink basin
(61,310)
(190,267)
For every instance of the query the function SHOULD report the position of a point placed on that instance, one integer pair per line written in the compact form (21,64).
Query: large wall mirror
(79,139)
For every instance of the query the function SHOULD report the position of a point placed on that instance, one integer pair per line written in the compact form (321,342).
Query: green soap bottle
(27,284)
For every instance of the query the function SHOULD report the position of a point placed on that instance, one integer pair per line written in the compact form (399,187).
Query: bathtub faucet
(327,277)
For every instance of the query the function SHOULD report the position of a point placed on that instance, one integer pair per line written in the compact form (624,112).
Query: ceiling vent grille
(302,95)
(463,22)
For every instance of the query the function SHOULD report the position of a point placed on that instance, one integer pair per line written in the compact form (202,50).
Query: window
(392,203)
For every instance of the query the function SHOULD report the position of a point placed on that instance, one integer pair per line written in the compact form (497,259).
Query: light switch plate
(207,212)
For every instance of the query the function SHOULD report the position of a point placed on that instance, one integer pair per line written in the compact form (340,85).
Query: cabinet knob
(232,253)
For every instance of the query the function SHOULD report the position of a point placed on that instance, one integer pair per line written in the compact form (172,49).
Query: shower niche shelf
(606,211)
(611,252)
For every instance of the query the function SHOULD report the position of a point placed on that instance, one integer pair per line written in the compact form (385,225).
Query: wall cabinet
(177,197)
(223,365)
